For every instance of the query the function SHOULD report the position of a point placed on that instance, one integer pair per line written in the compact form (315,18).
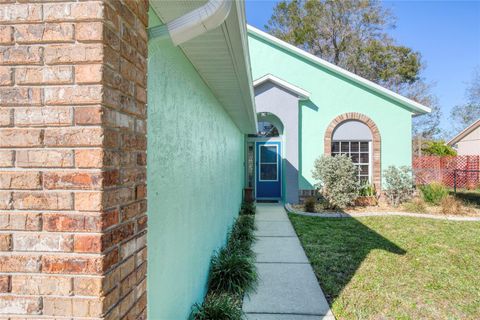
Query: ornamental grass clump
(309,204)
(434,192)
(232,273)
(337,180)
(248,208)
(242,236)
(218,307)
(398,184)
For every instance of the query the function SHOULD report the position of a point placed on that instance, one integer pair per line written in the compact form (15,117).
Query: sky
(446,33)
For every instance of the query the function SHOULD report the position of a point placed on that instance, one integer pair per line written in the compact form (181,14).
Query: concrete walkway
(287,288)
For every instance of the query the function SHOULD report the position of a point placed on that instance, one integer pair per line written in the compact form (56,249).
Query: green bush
(434,192)
(242,236)
(368,190)
(398,184)
(218,307)
(309,204)
(439,148)
(248,208)
(337,179)
(232,272)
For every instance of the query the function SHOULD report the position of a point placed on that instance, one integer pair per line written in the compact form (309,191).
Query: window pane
(354,157)
(363,179)
(364,146)
(335,154)
(364,157)
(268,172)
(268,154)
(364,170)
(336,147)
(354,146)
(344,147)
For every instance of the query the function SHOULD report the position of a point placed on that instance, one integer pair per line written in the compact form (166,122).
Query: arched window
(354,139)
(267,129)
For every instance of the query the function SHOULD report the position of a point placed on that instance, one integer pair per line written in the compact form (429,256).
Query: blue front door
(268,170)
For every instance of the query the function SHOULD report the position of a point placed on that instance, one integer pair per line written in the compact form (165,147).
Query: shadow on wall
(337,247)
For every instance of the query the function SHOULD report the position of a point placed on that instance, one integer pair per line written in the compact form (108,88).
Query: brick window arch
(376,141)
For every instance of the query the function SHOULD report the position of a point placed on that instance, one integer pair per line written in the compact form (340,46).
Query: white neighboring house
(467,142)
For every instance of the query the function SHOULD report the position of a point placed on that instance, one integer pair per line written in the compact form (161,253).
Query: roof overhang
(221,58)
(464,133)
(411,105)
(299,92)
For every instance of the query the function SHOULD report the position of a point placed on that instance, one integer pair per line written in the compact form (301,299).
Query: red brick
(50,32)
(42,200)
(5,76)
(42,242)
(73,53)
(4,284)
(20,96)
(88,94)
(75,222)
(19,263)
(87,286)
(20,305)
(20,13)
(72,180)
(88,243)
(73,137)
(90,73)
(91,10)
(44,158)
(89,158)
(72,306)
(72,265)
(41,285)
(20,221)
(88,115)
(5,200)
(20,138)
(20,180)
(5,242)
(6,35)
(6,117)
(44,75)
(89,31)
(45,116)
(88,201)
(21,55)
(6,158)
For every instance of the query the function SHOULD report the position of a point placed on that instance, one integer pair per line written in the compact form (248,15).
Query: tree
(353,35)
(464,115)
(439,148)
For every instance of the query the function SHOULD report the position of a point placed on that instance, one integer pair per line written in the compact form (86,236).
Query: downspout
(194,23)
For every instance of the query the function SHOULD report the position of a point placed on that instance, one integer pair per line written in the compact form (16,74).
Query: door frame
(267,140)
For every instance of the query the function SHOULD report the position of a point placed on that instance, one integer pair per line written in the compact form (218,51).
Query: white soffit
(221,58)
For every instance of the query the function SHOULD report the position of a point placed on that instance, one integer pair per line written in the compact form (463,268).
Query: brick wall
(72,159)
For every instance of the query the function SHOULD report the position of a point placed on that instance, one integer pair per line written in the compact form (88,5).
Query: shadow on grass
(337,247)
(470,196)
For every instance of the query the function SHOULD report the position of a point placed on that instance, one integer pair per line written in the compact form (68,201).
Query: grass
(395,267)
(470,196)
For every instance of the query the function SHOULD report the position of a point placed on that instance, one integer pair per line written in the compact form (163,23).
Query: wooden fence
(429,169)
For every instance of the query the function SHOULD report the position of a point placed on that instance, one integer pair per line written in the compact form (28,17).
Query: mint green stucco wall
(332,95)
(195,180)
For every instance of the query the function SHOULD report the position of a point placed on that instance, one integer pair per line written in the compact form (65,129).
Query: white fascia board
(412,105)
(302,94)
(464,132)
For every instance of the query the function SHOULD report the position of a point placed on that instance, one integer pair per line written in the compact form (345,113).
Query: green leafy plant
(416,205)
(248,208)
(242,236)
(439,148)
(337,179)
(232,272)
(368,190)
(309,204)
(398,184)
(434,192)
(218,307)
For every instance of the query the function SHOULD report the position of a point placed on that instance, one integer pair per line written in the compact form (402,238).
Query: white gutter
(194,23)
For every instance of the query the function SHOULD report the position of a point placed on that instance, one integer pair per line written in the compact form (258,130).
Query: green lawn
(395,267)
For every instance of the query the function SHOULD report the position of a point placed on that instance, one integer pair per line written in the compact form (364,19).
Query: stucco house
(107,104)
(467,142)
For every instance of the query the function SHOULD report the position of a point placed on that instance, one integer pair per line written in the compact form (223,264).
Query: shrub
(337,178)
(368,190)
(398,184)
(439,148)
(232,272)
(451,205)
(248,208)
(416,205)
(242,235)
(220,307)
(434,192)
(309,204)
